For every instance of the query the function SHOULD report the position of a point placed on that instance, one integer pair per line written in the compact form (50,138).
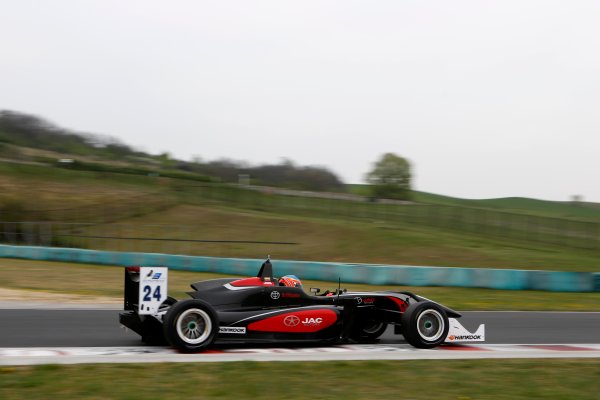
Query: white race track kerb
(80,355)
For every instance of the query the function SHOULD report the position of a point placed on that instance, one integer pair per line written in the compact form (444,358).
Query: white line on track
(82,355)
(20,305)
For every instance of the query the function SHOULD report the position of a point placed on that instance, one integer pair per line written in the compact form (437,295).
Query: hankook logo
(467,337)
(291,320)
(275,295)
(232,329)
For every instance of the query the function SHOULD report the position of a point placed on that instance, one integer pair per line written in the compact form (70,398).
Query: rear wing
(145,289)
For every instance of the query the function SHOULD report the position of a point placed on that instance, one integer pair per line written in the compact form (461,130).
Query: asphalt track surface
(100,328)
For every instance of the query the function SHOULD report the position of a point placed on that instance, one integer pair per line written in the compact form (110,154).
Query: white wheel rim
(194,326)
(430,325)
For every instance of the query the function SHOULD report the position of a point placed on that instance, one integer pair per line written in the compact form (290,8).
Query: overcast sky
(485,98)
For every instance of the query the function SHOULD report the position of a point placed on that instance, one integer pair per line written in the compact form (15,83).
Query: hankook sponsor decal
(232,329)
(464,337)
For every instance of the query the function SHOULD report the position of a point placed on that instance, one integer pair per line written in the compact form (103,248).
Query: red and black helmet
(290,280)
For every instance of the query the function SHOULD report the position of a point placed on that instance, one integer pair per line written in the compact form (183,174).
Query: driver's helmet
(290,280)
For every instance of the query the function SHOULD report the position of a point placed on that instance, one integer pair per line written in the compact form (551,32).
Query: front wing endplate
(458,333)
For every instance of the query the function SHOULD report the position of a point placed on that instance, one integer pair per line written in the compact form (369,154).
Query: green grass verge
(106,281)
(445,379)
(321,239)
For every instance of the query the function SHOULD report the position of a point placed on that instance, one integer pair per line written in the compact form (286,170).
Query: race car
(264,309)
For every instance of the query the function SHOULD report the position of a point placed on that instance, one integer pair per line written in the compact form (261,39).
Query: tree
(390,178)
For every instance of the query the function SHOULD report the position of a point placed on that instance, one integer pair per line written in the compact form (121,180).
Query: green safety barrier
(405,275)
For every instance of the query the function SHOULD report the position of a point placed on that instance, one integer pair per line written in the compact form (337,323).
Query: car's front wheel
(190,325)
(425,325)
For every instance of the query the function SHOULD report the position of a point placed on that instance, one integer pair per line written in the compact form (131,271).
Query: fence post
(45,234)
(12,232)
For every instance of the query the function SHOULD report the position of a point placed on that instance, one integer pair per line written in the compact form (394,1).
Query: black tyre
(425,325)
(190,325)
(169,301)
(153,334)
(368,330)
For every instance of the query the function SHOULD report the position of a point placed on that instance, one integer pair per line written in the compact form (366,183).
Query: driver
(290,280)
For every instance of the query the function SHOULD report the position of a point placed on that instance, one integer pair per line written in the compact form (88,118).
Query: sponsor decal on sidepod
(312,321)
(232,329)
(293,320)
(304,321)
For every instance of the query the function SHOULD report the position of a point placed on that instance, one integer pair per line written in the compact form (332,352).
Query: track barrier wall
(404,275)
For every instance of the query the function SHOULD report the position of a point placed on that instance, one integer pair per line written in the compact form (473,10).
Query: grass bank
(322,239)
(104,281)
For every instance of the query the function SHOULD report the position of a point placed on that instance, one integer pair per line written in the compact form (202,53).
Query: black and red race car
(264,309)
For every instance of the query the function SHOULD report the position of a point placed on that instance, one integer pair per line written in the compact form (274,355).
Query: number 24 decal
(148,290)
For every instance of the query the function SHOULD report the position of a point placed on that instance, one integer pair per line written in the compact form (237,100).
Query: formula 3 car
(263,309)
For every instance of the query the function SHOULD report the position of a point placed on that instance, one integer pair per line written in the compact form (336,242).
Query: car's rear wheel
(425,325)
(368,330)
(190,325)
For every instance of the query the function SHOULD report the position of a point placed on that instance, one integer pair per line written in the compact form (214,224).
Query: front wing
(458,333)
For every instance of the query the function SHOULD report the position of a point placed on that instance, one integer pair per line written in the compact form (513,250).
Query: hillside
(584,211)
(113,211)
(30,139)
(146,202)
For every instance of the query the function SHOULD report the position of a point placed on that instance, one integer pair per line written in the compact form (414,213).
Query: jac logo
(312,321)
(291,320)
(275,295)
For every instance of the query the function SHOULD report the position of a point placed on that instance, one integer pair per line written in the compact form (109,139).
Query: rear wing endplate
(145,289)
